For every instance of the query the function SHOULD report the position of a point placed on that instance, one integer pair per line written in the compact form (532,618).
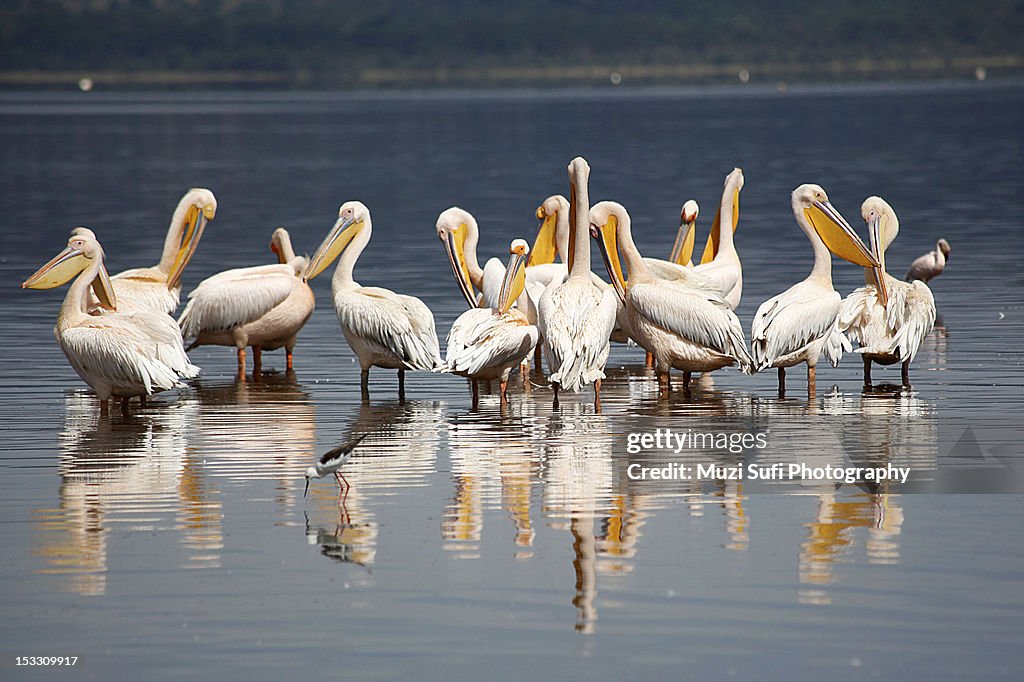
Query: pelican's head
(682,248)
(553,231)
(353,218)
(811,202)
(882,230)
(514,282)
(82,251)
(458,232)
(606,218)
(195,209)
(944,247)
(281,245)
(688,214)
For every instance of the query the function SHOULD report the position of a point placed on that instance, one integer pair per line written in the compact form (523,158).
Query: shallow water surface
(511,539)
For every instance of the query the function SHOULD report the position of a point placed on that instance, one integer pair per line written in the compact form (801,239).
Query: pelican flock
(118,334)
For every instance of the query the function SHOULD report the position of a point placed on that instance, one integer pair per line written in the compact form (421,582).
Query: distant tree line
(328,39)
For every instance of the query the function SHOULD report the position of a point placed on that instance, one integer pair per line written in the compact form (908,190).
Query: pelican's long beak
(337,239)
(837,234)
(606,237)
(197,219)
(715,236)
(513,283)
(682,249)
(875,235)
(455,246)
(544,248)
(60,269)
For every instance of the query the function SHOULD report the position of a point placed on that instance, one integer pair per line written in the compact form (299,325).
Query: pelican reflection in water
(134,473)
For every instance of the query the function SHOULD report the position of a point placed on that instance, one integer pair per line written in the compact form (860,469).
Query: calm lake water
(510,541)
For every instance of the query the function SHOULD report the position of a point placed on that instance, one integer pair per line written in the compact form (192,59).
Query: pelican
(720,262)
(459,233)
(485,343)
(888,317)
(159,287)
(119,354)
(384,329)
(263,306)
(685,328)
(930,264)
(576,317)
(798,324)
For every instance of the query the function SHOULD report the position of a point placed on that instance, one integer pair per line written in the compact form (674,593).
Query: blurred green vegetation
(339,42)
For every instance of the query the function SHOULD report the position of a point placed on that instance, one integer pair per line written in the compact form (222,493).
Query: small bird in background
(332,461)
(930,264)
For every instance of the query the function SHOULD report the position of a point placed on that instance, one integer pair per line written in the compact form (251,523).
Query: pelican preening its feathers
(486,343)
(263,306)
(384,329)
(159,287)
(888,317)
(119,354)
(683,327)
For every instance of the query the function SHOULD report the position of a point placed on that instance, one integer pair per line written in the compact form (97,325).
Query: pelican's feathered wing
(899,328)
(127,353)
(667,270)
(697,316)
(386,321)
(146,288)
(576,320)
(787,324)
(236,297)
(481,339)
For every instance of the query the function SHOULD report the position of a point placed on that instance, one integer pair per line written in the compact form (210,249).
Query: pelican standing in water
(486,343)
(119,354)
(576,317)
(159,287)
(263,306)
(888,317)
(800,323)
(384,329)
(720,262)
(929,265)
(685,328)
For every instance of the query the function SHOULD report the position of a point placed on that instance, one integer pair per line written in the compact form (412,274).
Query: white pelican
(576,317)
(798,324)
(485,343)
(159,287)
(384,329)
(888,317)
(720,262)
(685,328)
(459,233)
(119,354)
(930,264)
(263,306)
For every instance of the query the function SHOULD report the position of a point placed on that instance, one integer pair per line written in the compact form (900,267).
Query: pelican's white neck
(342,278)
(822,269)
